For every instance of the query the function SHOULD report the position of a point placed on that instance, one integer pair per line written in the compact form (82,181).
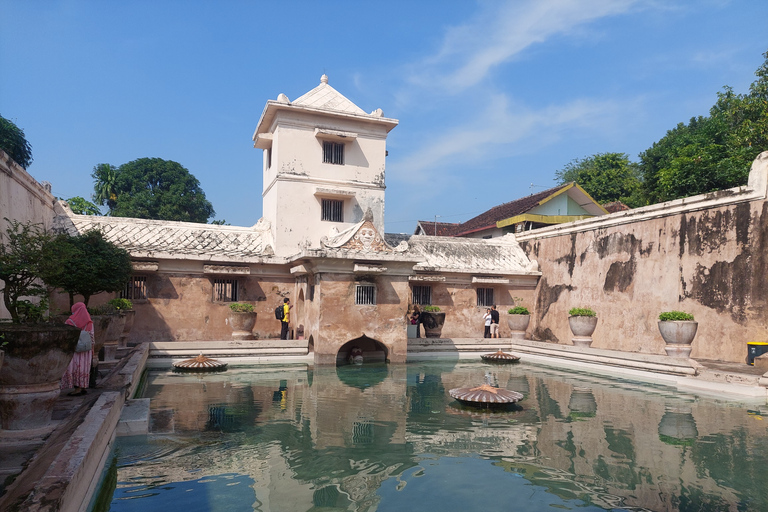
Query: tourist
(416,319)
(286,318)
(487,318)
(494,322)
(78,372)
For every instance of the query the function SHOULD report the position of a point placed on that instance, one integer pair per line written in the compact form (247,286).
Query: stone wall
(23,199)
(706,255)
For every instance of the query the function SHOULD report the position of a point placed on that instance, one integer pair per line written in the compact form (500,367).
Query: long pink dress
(78,372)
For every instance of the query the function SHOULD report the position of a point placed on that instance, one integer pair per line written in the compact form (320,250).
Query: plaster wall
(298,179)
(23,199)
(705,255)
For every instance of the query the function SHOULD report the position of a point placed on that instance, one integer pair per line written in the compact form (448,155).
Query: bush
(240,307)
(581,312)
(119,304)
(675,316)
(518,310)
(431,309)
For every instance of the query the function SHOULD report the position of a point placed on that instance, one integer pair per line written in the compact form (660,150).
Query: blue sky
(492,97)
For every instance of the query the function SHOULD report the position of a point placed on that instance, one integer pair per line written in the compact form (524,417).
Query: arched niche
(373,350)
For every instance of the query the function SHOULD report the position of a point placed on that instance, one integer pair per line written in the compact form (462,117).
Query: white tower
(324,160)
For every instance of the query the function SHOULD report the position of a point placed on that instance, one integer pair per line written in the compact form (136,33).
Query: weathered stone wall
(706,255)
(22,198)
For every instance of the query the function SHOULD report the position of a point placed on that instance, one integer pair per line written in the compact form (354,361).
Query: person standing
(416,319)
(78,372)
(285,322)
(494,322)
(487,318)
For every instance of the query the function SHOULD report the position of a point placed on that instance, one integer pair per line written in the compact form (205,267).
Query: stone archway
(373,350)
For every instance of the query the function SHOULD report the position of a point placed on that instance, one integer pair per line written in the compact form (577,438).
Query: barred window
(365,294)
(333,153)
(135,288)
(333,210)
(422,295)
(225,290)
(485,297)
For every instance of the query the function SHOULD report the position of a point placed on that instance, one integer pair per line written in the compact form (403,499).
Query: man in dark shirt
(494,322)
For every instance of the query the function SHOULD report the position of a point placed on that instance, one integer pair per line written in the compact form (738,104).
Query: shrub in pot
(518,320)
(582,322)
(678,330)
(124,308)
(242,318)
(432,320)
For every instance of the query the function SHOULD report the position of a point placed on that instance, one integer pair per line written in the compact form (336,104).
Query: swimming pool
(388,437)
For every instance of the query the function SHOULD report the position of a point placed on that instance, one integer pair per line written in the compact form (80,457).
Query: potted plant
(582,322)
(678,330)
(242,318)
(124,309)
(432,320)
(518,320)
(36,352)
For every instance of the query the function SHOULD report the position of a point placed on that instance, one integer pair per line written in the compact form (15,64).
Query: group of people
(491,318)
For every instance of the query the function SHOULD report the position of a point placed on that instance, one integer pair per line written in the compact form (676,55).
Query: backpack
(279,312)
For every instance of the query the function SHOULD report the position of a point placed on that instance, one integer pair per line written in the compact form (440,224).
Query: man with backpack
(283,313)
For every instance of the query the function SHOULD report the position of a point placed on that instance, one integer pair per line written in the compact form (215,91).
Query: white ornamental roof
(144,238)
(325,97)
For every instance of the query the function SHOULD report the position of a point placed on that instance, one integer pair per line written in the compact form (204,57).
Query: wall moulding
(226,269)
(145,266)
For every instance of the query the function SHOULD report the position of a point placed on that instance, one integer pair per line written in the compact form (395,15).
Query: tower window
(422,295)
(333,210)
(333,153)
(485,297)
(225,290)
(135,288)
(365,294)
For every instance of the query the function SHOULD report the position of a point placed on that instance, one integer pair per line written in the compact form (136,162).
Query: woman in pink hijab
(78,373)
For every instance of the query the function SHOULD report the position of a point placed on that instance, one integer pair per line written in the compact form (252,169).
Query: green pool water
(390,438)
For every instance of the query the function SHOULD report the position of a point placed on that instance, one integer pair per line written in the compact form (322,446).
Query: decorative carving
(225,269)
(145,266)
(367,239)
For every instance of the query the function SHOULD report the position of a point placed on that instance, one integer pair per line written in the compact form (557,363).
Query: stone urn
(582,328)
(678,427)
(678,335)
(36,357)
(433,322)
(112,337)
(101,325)
(518,324)
(242,324)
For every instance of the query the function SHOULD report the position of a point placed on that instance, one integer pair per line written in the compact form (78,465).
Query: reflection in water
(388,437)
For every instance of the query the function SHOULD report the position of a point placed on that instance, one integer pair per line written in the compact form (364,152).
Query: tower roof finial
(324,79)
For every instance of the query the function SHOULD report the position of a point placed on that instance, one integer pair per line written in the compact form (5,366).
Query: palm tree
(104,176)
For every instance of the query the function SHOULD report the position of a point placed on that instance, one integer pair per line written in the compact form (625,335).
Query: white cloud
(500,32)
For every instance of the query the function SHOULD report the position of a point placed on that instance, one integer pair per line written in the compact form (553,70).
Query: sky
(492,97)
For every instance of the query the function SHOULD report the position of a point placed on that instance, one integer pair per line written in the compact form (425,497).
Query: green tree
(710,153)
(153,188)
(104,176)
(13,142)
(607,177)
(93,265)
(82,206)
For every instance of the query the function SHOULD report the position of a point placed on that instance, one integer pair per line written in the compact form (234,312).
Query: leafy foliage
(607,177)
(710,153)
(151,188)
(518,310)
(675,316)
(581,312)
(24,256)
(82,206)
(94,265)
(431,309)
(241,307)
(13,142)
(119,304)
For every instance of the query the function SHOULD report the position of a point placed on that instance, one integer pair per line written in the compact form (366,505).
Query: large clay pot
(101,325)
(678,335)
(678,427)
(242,325)
(433,323)
(36,357)
(112,341)
(518,324)
(582,328)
